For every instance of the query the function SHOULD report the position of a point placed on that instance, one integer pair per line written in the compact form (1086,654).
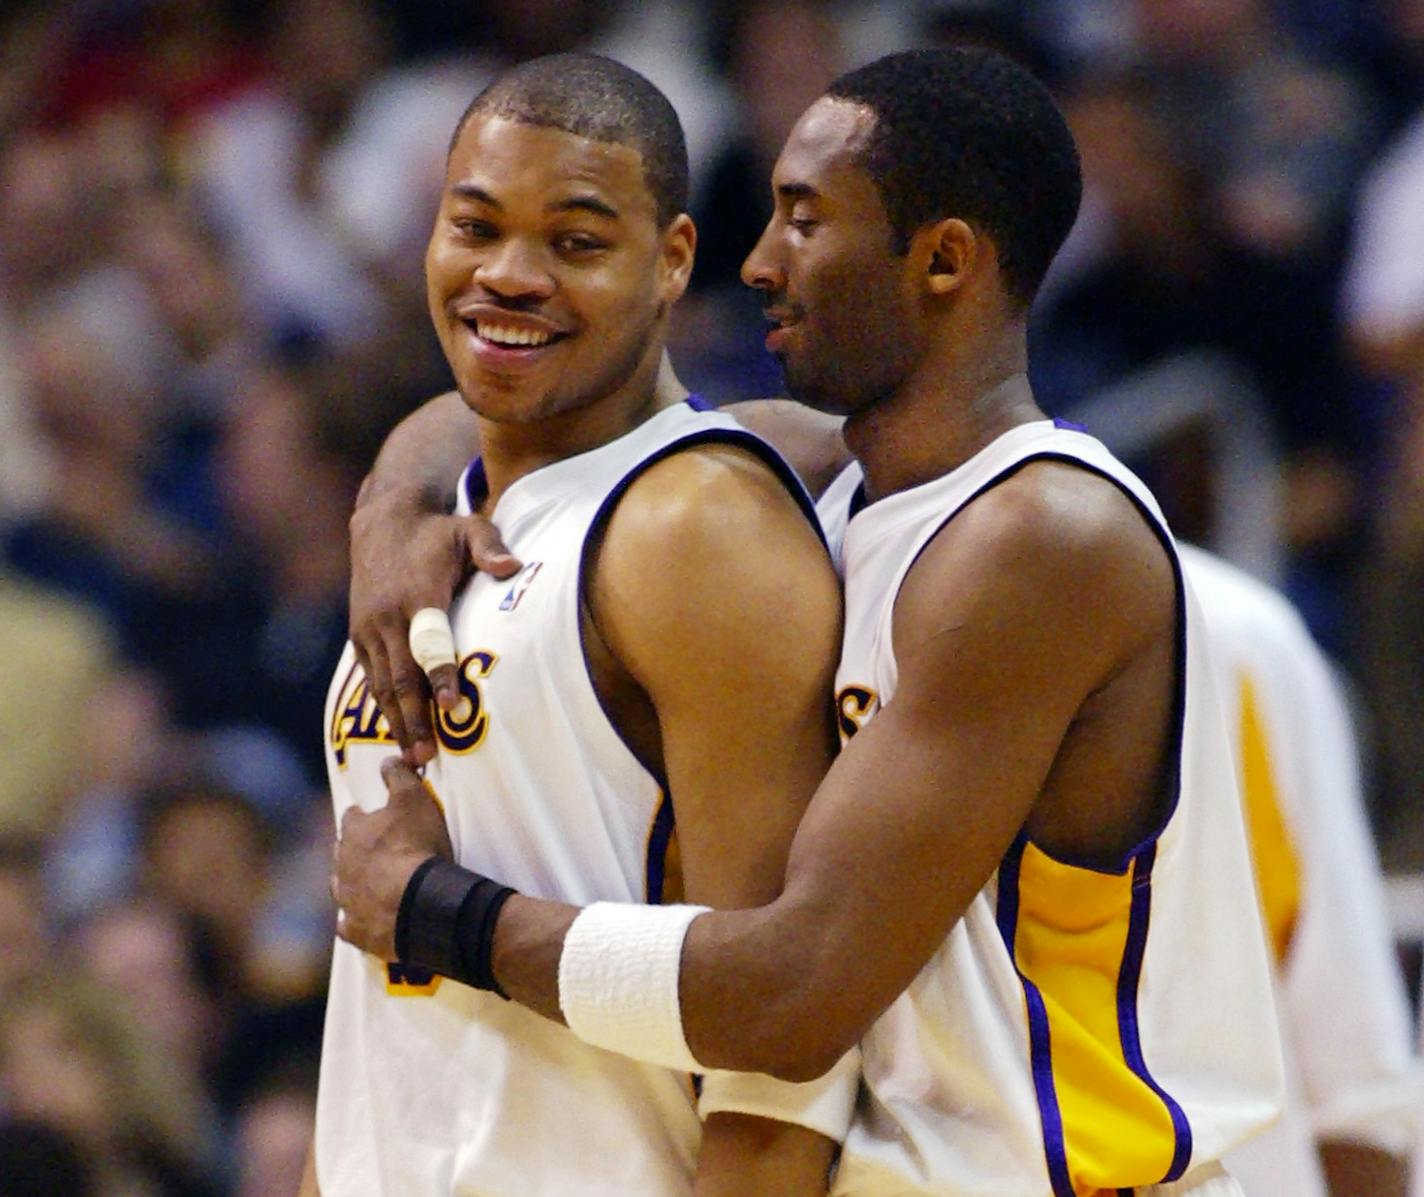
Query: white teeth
(501,335)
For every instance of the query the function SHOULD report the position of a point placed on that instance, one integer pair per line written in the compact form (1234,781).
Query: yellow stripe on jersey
(1077,937)
(1273,855)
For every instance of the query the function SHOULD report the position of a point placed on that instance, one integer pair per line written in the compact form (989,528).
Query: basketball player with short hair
(640,711)
(1023,887)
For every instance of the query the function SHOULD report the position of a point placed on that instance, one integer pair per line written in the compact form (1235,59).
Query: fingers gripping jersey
(1080,1029)
(429,1087)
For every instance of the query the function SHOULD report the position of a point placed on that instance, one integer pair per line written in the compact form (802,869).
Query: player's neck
(509,451)
(948,411)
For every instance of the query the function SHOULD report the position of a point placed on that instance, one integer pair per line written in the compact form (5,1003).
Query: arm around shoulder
(1010,619)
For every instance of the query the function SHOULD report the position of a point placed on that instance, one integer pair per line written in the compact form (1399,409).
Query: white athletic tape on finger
(432,643)
(618,977)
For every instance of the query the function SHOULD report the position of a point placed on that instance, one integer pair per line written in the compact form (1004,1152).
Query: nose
(763,269)
(514,269)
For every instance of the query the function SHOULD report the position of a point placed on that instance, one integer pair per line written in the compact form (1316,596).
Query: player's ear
(951,248)
(677,249)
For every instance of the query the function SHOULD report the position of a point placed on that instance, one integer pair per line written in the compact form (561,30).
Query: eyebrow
(575,203)
(795,191)
(474,192)
(586,203)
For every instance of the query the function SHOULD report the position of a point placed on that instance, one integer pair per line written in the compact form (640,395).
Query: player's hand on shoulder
(406,557)
(377,852)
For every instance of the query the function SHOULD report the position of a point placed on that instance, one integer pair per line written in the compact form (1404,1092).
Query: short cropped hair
(595,97)
(967,132)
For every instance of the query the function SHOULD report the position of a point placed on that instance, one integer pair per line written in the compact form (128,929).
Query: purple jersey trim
(656,866)
(1068,425)
(1128,980)
(476,484)
(1039,1043)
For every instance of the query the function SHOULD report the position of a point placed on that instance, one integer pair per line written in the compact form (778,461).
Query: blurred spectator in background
(274,1131)
(1384,308)
(70,1057)
(39,1160)
(211,855)
(1279,133)
(54,652)
(291,459)
(164,965)
(275,163)
(22,923)
(777,56)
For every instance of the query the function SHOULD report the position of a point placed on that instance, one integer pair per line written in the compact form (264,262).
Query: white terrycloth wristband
(618,978)
(824,1105)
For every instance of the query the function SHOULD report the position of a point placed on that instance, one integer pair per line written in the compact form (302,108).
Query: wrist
(446,922)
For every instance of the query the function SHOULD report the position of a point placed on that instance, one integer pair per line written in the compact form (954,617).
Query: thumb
(401,780)
(486,549)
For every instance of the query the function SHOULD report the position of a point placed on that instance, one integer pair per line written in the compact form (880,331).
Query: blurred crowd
(212,222)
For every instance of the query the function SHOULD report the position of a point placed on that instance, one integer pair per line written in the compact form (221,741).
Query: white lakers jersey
(1319,883)
(429,1087)
(1080,1029)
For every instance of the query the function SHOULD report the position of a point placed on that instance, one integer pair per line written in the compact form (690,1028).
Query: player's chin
(504,399)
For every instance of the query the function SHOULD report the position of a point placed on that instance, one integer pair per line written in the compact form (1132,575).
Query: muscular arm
(713,592)
(1017,613)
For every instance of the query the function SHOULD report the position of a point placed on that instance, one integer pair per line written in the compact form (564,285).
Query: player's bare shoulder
(1058,545)
(707,536)
(704,499)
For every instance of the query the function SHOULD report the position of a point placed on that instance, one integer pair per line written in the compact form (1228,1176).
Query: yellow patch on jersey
(1074,943)
(1273,855)
(408,980)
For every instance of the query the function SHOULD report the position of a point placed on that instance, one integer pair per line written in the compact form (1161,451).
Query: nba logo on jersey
(521,584)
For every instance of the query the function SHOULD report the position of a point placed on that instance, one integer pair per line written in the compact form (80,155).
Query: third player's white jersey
(430,1088)
(1080,1029)
(1320,886)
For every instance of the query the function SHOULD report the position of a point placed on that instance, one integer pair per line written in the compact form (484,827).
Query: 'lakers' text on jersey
(1080,1030)
(430,1087)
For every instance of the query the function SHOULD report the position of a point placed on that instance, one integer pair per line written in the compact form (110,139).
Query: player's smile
(503,340)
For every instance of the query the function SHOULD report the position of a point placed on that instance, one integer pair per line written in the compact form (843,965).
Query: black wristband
(446,923)
(403,915)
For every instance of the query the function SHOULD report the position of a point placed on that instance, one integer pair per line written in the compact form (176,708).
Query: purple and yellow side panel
(1077,938)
